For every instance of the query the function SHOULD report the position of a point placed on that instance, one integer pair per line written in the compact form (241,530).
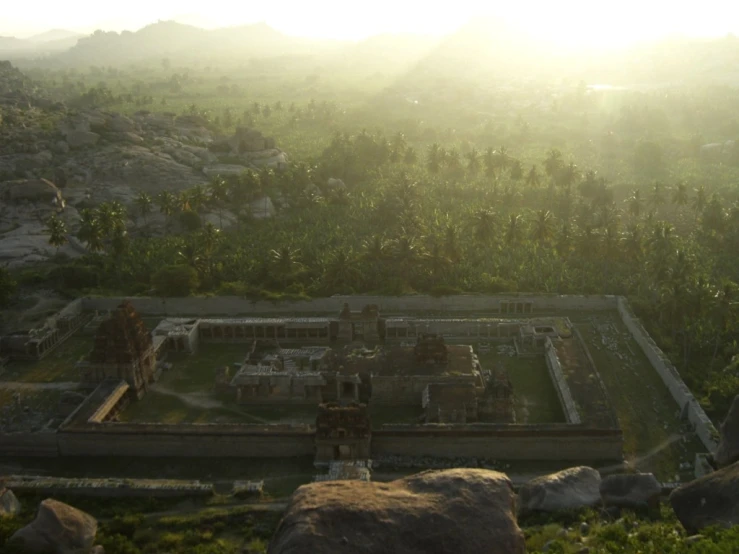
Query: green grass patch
(60,365)
(535,399)
(196,372)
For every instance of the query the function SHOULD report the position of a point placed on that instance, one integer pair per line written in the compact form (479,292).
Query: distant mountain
(172,39)
(54,41)
(54,35)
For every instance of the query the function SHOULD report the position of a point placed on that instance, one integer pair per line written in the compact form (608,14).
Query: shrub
(190,220)
(175,280)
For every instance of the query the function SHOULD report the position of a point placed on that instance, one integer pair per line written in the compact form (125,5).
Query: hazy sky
(571,22)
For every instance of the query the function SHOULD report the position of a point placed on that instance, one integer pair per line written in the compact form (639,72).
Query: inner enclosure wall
(234,305)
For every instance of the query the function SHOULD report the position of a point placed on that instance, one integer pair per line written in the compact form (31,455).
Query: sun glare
(567,23)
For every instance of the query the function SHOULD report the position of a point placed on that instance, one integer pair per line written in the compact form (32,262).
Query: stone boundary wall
(234,305)
(560,383)
(671,377)
(108,487)
(187,440)
(518,443)
(42,444)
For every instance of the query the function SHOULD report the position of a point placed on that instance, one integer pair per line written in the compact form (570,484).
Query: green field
(535,398)
(57,366)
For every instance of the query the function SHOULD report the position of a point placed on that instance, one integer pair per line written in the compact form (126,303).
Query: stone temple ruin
(123,349)
(358,362)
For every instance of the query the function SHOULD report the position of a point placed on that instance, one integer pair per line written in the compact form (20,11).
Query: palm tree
(90,230)
(680,195)
(516,172)
(57,230)
(635,202)
(489,160)
(143,204)
(451,244)
(634,242)
(410,157)
(485,224)
(197,197)
(725,306)
(515,229)
(657,197)
(473,162)
(567,175)
(375,250)
(167,203)
(542,230)
(434,158)
(341,271)
(532,178)
(436,258)
(699,201)
(218,192)
(553,163)
(407,255)
(111,216)
(285,261)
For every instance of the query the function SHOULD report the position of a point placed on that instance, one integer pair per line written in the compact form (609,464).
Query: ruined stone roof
(121,339)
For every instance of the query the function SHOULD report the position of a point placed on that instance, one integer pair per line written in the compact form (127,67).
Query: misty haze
(369,278)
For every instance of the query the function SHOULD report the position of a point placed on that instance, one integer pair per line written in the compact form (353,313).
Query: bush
(495,285)
(190,220)
(75,277)
(444,290)
(175,280)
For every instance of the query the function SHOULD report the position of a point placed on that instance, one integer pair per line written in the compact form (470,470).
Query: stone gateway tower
(123,349)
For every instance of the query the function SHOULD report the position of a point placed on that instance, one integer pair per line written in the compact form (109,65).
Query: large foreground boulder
(630,490)
(58,528)
(711,500)
(9,505)
(728,449)
(458,510)
(570,489)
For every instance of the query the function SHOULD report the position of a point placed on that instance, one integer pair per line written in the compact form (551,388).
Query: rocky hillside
(94,156)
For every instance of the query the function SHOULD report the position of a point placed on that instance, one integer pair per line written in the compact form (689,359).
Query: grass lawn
(57,366)
(647,413)
(196,372)
(535,398)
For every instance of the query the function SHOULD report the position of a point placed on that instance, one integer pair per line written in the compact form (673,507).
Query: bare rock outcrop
(710,500)
(569,489)
(457,510)
(80,139)
(30,190)
(728,448)
(58,528)
(630,490)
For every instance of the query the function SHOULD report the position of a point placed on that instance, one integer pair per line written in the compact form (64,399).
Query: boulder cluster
(57,160)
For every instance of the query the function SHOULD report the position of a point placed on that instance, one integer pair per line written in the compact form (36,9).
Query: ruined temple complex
(345,380)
